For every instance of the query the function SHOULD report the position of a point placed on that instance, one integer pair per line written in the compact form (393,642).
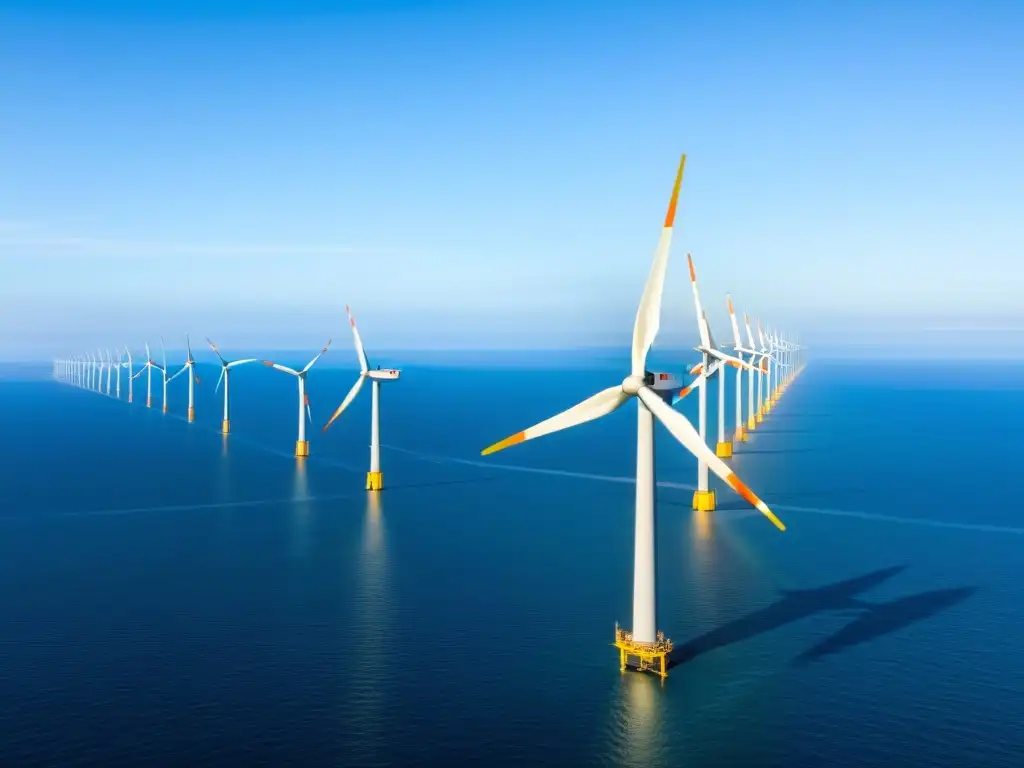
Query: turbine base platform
(704,501)
(374,481)
(644,657)
(149,402)
(741,435)
(751,424)
(165,408)
(191,414)
(301,449)
(723,450)
(129,398)
(225,426)
(760,417)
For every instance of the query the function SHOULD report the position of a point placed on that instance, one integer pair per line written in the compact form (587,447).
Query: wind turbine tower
(374,478)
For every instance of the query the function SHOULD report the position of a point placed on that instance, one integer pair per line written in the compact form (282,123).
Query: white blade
(148,355)
(348,399)
(683,431)
(648,314)
(750,336)
(305,399)
(163,352)
(697,383)
(702,326)
(188,346)
(233,363)
(594,407)
(311,362)
(216,351)
(363,364)
(220,379)
(735,362)
(128,352)
(176,375)
(278,367)
(737,342)
(142,370)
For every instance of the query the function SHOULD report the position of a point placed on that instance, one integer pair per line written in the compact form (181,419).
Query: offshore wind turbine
(737,344)
(225,370)
(192,379)
(148,368)
(756,415)
(374,478)
(110,370)
(644,642)
(301,444)
(128,365)
(119,366)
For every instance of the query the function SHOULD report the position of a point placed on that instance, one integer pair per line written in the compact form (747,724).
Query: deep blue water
(170,596)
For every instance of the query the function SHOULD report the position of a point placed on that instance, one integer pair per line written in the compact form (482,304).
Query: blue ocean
(173,596)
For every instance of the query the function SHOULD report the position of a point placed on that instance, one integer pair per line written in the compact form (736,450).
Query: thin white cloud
(25,240)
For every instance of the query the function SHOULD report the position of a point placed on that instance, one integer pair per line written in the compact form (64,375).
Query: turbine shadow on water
(878,619)
(795,605)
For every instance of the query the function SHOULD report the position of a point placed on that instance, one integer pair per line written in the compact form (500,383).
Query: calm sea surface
(170,596)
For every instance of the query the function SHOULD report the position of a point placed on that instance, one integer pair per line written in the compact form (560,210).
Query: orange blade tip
(670,216)
(503,444)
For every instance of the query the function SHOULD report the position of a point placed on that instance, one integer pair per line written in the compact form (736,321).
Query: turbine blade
(233,363)
(163,351)
(220,379)
(594,407)
(348,399)
(648,314)
(736,342)
(284,368)
(683,431)
(216,351)
(305,399)
(702,326)
(311,362)
(363,363)
(694,385)
(188,346)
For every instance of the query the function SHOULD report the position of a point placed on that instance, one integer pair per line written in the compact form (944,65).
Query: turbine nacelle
(383,374)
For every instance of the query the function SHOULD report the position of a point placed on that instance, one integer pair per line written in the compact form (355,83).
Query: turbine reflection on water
(638,736)
(369,638)
(302,512)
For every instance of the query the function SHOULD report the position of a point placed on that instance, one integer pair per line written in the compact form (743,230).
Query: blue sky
(495,174)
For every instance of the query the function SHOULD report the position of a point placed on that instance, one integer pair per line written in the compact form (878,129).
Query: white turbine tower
(737,345)
(120,365)
(102,367)
(192,380)
(225,370)
(374,478)
(148,368)
(110,370)
(644,642)
(756,414)
(163,370)
(131,375)
(301,444)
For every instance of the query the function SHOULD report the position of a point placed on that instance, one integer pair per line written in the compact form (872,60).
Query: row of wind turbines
(96,373)
(775,361)
(772,362)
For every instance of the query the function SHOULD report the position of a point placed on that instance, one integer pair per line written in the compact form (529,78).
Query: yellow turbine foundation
(301,448)
(374,481)
(751,424)
(191,414)
(704,501)
(741,435)
(225,426)
(650,657)
(760,417)
(723,450)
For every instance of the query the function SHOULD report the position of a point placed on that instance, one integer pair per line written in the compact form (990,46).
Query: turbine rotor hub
(631,384)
